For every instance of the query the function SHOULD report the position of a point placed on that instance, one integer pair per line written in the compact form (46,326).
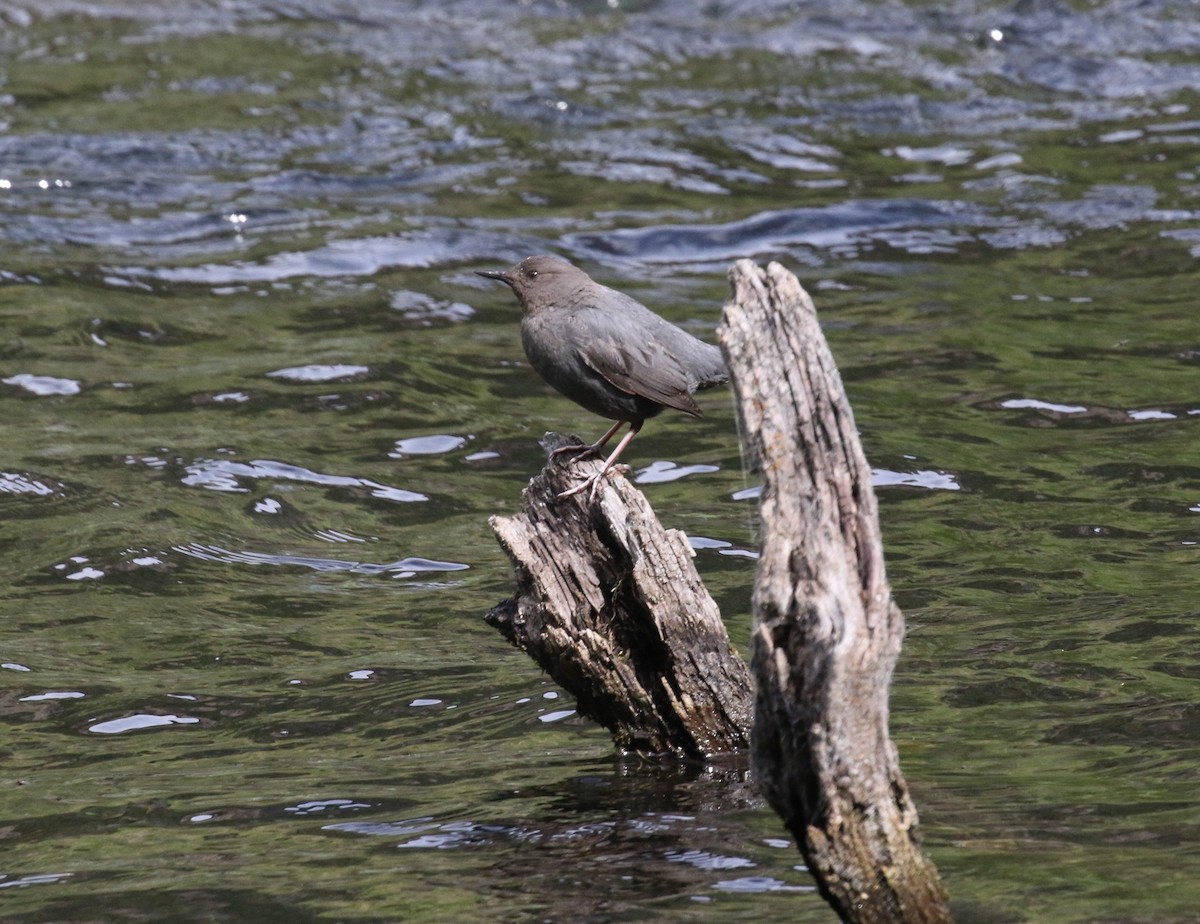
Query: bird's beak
(494,274)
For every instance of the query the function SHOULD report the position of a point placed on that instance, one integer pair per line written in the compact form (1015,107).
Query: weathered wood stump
(610,605)
(827,631)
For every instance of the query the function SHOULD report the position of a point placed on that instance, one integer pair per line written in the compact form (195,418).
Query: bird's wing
(643,369)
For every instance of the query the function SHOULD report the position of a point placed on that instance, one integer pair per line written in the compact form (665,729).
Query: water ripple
(408,567)
(29,484)
(847,227)
(319,372)
(226,475)
(364,256)
(43,385)
(139,722)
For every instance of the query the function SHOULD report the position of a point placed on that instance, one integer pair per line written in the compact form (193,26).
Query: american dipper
(606,352)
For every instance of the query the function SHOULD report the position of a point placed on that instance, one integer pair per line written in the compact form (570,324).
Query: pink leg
(594,480)
(584,451)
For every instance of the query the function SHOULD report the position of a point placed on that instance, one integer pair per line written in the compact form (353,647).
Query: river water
(257,410)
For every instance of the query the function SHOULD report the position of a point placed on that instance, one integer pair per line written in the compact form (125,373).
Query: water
(257,410)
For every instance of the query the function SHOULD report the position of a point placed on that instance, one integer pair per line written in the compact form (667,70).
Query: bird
(606,352)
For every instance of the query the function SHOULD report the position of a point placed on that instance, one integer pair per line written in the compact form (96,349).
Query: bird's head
(540,281)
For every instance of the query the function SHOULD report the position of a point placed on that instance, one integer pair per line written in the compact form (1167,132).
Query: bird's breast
(555,348)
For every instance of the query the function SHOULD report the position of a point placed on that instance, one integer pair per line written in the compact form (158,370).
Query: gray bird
(606,352)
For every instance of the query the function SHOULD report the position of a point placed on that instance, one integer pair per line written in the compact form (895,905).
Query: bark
(610,605)
(827,631)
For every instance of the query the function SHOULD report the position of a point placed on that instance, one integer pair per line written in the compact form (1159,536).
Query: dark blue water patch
(85,191)
(627,171)
(410,187)
(1113,51)
(784,151)
(1109,205)
(648,155)
(205,231)
(164,236)
(847,229)
(552,112)
(100,158)
(355,257)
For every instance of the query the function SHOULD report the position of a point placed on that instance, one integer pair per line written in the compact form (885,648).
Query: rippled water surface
(257,409)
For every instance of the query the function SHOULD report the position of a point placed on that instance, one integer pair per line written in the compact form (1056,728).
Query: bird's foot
(591,481)
(579,452)
(595,480)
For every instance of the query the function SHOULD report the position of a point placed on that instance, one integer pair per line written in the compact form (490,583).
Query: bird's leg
(582,452)
(593,481)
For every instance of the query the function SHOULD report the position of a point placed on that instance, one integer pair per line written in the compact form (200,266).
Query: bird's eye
(533,274)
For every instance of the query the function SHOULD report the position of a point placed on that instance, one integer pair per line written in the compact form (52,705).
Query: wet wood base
(609,603)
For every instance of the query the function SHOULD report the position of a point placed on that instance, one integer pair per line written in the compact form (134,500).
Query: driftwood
(610,605)
(827,631)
